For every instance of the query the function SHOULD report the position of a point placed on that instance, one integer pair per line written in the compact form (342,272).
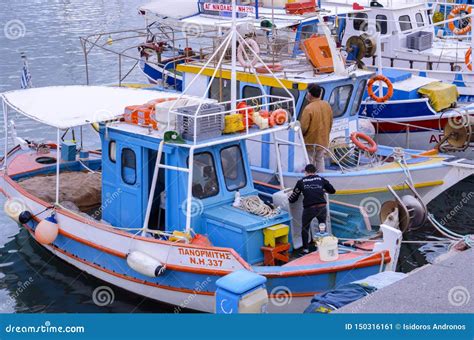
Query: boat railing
(343,154)
(408,128)
(125,45)
(193,118)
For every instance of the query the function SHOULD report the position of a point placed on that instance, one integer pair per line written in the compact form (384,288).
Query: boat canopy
(176,9)
(69,106)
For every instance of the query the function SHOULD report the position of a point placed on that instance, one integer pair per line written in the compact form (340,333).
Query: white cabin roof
(176,9)
(68,106)
(187,11)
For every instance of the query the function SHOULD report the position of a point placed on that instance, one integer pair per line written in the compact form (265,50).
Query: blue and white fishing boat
(171,206)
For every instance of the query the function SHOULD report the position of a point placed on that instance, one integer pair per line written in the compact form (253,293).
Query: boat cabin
(394,23)
(219,171)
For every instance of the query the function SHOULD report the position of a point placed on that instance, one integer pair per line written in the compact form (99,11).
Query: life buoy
(370,88)
(242,56)
(356,138)
(467,59)
(269,68)
(278,117)
(456,10)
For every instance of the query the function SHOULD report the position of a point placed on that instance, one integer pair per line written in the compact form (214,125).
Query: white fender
(145,264)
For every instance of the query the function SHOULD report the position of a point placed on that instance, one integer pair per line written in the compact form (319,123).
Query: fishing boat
(427,74)
(359,173)
(409,41)
(166,209)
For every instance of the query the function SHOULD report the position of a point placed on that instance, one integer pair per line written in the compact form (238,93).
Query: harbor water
(48,31)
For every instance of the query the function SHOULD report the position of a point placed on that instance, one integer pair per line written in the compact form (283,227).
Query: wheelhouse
(344,94)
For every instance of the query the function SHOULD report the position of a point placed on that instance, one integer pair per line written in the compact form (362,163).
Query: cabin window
(112,151)
(419,20)
(358,97)
(250,92)
(277,91)
(233,168)
(381,24)
(220,89)
(307,31)
(129,166)
(204,176)
(405,23)
(360,21)
(340,98)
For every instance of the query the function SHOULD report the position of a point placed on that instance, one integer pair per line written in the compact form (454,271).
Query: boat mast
(233,77)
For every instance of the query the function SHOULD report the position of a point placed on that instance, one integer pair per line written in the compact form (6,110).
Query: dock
(444,287)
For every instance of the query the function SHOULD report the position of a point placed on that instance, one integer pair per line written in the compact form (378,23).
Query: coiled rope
(254,205)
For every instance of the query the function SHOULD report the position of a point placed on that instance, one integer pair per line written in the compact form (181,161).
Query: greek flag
(25,74)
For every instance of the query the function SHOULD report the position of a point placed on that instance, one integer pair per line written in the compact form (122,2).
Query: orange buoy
(47,230)
(356,138)
(201,240)
(246,113)
(457,10)
(370,89)
(278,117)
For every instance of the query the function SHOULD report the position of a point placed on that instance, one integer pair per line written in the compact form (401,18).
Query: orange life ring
(356,139)
(269,68)
(370,88)
(456,10)
(278,117)
(467,59)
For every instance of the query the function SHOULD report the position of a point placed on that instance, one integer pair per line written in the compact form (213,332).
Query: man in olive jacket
(316,124)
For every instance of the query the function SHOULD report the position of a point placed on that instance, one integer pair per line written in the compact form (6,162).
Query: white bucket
(328,249)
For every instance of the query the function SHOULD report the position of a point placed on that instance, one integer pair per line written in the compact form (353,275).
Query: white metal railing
(266,102)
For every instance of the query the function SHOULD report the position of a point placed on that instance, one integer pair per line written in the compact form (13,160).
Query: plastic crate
(420,40)
(206,127)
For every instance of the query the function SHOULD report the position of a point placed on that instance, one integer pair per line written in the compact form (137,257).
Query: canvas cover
(441,95)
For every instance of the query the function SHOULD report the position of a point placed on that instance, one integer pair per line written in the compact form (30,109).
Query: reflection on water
(33,280)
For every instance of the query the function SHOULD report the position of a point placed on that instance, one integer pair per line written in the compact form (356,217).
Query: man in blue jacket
(313,188)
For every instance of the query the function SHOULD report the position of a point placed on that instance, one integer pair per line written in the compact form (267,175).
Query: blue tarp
(337,298)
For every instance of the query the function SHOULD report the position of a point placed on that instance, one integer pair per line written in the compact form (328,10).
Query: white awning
(175,9)
(68,106)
